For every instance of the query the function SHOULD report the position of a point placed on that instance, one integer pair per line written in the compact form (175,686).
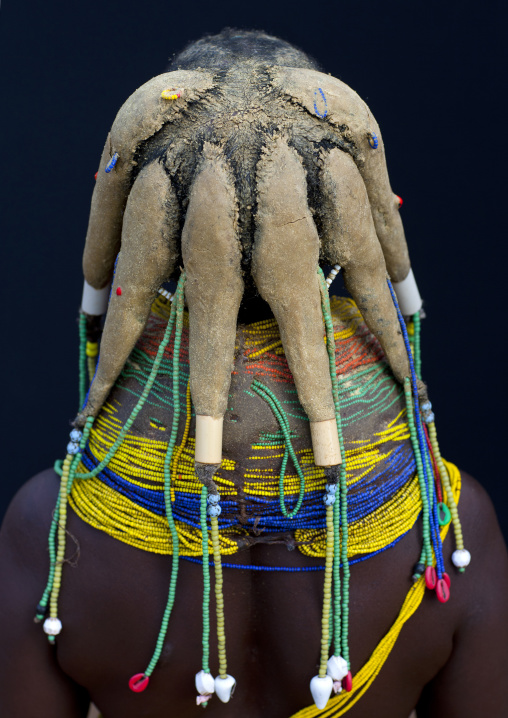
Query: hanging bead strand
(429,486)
(461,556)
(321,685)
(204,680)
(417,344)
(53,625)
(82,359)
(139,681)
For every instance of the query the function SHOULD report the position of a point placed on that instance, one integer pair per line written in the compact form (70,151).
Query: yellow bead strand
(450,501)
(219,598)
(61,536)
(327,592)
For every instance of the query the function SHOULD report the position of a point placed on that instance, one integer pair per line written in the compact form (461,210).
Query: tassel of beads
(439,581)
(461,556)
(446,511)
(139,681)
(338,665)
(321,685)
(53,625)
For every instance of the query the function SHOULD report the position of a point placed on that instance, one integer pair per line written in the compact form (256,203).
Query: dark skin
(449,660)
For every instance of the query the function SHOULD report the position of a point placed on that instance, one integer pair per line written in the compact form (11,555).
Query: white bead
(336,668)
(224,687)
(337,686)
(52,626)
(461,558)
(72,447)
(204,683)
(321,689)
(214,510)
(76,436)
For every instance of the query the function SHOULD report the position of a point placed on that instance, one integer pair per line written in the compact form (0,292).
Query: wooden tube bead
(209,439)
(408,296)
(325,442)
(95,301)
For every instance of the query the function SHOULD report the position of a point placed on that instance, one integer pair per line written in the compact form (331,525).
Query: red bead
(400,200)
(430,577)
(139,682)
(447,580)
(347,682)
(443,590)
(96,175)
(119,291)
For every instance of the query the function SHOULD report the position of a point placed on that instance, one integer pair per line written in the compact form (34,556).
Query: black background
(434,75)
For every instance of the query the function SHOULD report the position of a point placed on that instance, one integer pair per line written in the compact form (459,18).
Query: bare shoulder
(472,682)
(28,517)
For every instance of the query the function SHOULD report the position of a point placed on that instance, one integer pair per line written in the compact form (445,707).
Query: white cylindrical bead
(408,295)
(208,439)
(95,301)
(325,442)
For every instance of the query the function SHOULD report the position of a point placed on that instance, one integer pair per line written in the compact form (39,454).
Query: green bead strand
(206,582)
(146,391)
(82,359)
(52,561)
(427,547)
(177,307)
(345,570)
(416,344)
(281,417)
(337,620)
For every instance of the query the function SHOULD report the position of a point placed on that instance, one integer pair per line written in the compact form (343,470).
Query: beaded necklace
(334,525)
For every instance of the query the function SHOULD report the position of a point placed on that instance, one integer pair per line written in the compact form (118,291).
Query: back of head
(231,47)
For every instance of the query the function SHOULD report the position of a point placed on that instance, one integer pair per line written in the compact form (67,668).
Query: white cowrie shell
(321,689)
(224,687)
(336,668)
(204,683)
